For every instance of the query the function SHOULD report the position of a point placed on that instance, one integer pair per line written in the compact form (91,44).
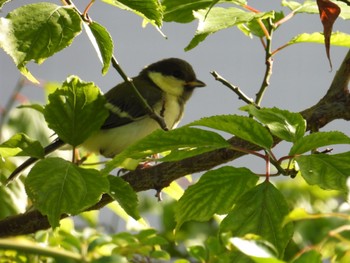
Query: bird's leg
(159,194)
(80,160)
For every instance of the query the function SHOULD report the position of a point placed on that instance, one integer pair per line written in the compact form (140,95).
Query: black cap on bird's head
(178,69)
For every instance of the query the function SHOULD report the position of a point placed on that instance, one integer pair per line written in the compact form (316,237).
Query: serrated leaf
(260,211)
(151,10)
(181,11)
(218,18)
(36,32)
(215,193)
(14,199)
(305,7)
(123,193)
(326,171)
(56,186)
(318,139)
(258,250)
(337,39)
(75,110)
(240,126)
(284,124)
(183,143)
(311,7)
(102,43)
(21,145)
(254,26)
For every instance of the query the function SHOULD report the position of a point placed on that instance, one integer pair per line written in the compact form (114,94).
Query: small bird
(166,85)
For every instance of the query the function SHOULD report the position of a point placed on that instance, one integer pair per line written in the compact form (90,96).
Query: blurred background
(301,72)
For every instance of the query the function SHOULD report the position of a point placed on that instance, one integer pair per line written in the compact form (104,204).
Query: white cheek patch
(168,84)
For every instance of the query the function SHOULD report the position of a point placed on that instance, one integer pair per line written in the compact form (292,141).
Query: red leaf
(329,12)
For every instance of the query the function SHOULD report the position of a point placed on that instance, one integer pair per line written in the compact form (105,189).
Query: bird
(165,85)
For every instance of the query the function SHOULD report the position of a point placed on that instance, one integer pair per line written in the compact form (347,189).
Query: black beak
(195,84)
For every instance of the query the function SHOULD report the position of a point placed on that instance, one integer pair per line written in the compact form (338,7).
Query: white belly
(110,142)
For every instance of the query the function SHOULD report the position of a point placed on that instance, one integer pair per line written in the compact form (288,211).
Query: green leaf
(215,193)
(318,139)
(254,27)
(123,193)
(240,126)
(151,237)
(311,7)
(21,145)
(14,199)
(58,187)
(30,122)
(337,39)
(305,7)
(183,143)
(151,10)
(218,18)
(36,32)
(37,107)
(301,214)
(260,211)
(327,171)
(181,11)
(286,125)
(102,42)
(3,2)
(75,110)
(259,251)
(198,252)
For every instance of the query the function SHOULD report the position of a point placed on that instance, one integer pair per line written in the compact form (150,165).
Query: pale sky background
(301,73)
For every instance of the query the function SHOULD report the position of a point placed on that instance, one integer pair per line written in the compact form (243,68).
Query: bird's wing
(127,108)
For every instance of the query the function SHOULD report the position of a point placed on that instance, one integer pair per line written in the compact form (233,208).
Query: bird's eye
(177,74)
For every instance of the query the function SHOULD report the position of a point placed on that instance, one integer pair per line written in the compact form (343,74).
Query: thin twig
(19,86)
(144,103)
(234,88)
(268,69)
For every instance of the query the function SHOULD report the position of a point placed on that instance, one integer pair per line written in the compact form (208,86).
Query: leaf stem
(85,13)
(267,168)
(19,86)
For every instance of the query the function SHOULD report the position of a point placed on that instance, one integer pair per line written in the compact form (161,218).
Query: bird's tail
(48,149)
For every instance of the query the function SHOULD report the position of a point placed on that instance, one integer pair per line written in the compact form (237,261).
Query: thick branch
(334,105)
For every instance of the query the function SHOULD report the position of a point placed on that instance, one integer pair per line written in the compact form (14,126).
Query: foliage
(239,217)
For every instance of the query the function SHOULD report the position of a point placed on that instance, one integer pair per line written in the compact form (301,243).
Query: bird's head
(174,76)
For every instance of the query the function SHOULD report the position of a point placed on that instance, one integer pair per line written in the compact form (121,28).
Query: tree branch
(334,105)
